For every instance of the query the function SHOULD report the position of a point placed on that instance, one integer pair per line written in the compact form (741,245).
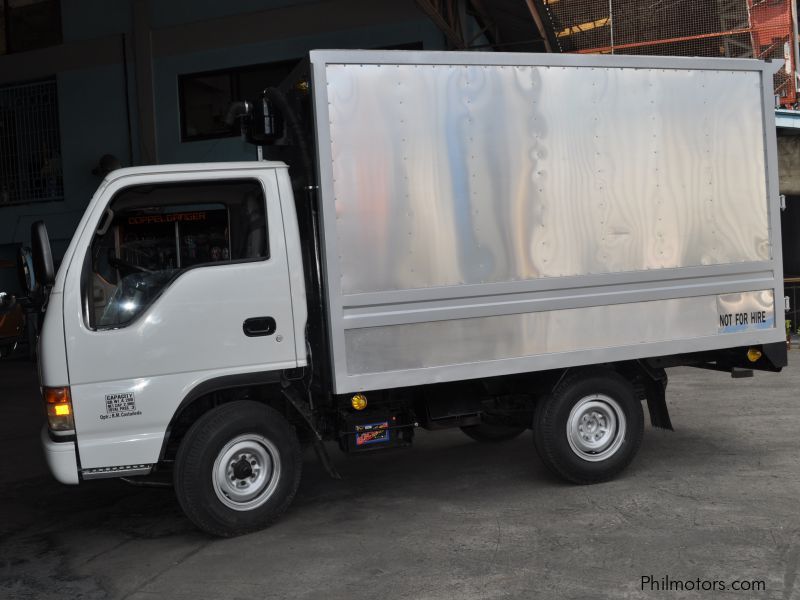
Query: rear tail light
(58,403)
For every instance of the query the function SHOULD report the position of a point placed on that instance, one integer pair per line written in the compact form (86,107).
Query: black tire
(566,455)
(272,441)
(488,432)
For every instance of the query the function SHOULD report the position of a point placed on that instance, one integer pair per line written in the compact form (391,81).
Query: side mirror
(7,302)
(265,123)
(27,280)
(43,267)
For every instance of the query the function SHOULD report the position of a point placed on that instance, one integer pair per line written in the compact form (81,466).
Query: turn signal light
(753,354)
(359,401)
(62,410)
(58,404)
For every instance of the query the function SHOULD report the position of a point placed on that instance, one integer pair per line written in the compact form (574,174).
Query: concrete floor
(716,499)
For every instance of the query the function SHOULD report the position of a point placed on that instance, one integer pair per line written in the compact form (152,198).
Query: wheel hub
(593,426)
(246,472)
(242,468)
(596,427)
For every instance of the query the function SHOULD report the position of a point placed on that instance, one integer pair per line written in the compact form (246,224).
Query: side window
(151,234)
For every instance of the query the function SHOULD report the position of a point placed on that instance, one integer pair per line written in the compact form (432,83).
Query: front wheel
(237,469)
(590,427)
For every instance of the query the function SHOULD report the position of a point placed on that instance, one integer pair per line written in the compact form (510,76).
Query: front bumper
(60,458)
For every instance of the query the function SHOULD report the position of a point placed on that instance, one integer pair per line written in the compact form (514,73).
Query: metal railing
(791,288)
(724,28)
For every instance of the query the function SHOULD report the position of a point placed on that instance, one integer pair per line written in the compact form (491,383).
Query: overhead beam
(537,18)
(489,27)
(447,24)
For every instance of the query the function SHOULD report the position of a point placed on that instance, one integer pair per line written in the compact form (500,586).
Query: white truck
(492,241)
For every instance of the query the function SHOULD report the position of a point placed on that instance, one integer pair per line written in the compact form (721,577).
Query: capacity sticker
(120,405)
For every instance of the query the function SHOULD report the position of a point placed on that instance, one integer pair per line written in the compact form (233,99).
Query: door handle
(256,326)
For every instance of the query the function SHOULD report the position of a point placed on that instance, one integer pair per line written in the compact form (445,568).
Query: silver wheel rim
(246,472)
(596,427)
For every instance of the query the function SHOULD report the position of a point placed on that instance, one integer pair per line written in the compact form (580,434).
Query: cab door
(183,283)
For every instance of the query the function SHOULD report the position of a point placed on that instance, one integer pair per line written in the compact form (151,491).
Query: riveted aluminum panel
(465,174)
(462,341)
(471,201)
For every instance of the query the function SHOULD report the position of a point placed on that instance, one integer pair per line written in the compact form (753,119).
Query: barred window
(30,150)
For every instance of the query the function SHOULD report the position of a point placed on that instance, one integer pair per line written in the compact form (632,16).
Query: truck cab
(178,280)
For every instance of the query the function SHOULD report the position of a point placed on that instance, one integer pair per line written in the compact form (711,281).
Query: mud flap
(325,460)
(655,383)
(302,407)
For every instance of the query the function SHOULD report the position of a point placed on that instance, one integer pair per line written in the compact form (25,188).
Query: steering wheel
(118,263)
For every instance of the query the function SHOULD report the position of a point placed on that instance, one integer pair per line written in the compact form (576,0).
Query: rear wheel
(488,432)
(590,427)
(237,469)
